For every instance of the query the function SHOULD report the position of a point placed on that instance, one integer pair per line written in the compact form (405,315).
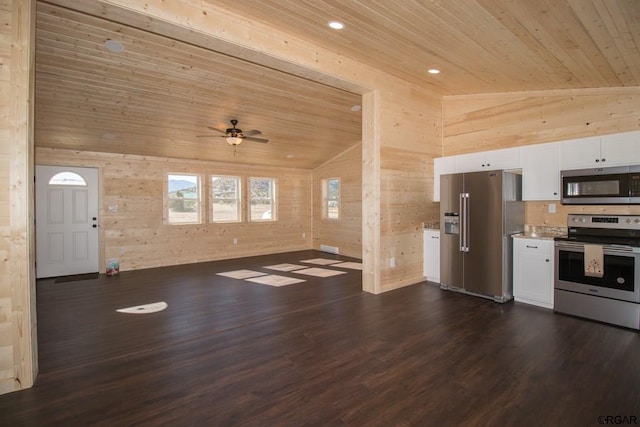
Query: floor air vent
(330,249)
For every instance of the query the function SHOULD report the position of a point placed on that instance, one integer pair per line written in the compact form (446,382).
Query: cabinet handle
(547,260)
(597,160)
(532,247)
(555,193)
(435,237)
(604,160)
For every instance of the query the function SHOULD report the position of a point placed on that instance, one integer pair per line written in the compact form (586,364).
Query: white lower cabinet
(432,255)
(533,271)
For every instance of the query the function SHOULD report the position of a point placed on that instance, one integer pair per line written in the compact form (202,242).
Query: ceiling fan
(235,136)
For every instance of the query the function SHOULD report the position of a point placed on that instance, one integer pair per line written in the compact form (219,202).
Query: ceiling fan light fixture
(234,140)
(336,25)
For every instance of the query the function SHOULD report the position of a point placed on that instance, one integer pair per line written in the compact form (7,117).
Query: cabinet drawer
(543,247)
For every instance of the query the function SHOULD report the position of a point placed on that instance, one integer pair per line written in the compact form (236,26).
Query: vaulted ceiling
(159,94)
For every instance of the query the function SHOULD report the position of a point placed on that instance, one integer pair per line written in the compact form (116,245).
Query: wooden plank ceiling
(480,46)
(159,94)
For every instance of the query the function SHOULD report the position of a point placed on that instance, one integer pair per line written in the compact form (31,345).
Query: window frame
(198,199)
(273,200)
(326,200)
(238,199)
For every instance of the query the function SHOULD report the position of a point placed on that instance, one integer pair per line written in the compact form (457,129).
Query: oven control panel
(628,222)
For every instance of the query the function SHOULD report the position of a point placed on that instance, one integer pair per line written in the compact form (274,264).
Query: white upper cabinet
(441,166)
(580,153)
(610,150)
(508,158)
(541,163)
(620,149)
(541,172)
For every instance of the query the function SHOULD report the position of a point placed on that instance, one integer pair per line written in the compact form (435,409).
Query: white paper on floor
(320,261)
(275,280)
(241,274)
(285,267)
(351,265)
(320,272)
(145,308)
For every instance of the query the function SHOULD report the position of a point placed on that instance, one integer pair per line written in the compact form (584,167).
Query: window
(262,206)
(225,199)
(183,199)
(67,178)
(331,198)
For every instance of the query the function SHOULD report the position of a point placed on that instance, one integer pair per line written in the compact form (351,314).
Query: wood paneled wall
(7,374)
(490,121)
(346,232)
(493,121)
(410,139)
(137,235)
(18,352)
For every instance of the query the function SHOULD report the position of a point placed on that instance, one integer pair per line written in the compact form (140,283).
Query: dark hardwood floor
(228,352)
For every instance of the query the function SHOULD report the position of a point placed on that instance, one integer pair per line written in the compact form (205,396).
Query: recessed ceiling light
(109,135)
(290,156)
(433,71)
(114,46)
(356,108)
(336,25)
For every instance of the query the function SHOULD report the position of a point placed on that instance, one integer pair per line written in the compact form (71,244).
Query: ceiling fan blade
(217,130)
(252,132)
(249,138)
(210,136)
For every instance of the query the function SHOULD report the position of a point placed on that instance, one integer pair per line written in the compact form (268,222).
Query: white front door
(66,221)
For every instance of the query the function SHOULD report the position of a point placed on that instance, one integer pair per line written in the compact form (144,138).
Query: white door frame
(67,233)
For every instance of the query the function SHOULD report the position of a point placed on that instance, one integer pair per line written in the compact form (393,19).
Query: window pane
(183,199)
(331,193)
(262,191)
(67,178)
(332,209)
(225,198)
(333,189)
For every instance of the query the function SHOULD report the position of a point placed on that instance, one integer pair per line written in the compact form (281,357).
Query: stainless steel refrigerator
(479,211)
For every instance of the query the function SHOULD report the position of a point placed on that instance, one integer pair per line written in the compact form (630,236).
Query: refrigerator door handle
(467,207)
(464,222)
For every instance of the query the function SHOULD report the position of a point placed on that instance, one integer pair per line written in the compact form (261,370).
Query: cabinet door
(508,158)
(580,153)
(432,255)
(533,272)
(541,172)
(441,166)
(471,162)
(621,149)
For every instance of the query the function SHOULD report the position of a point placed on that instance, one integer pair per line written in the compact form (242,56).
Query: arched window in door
(67,178)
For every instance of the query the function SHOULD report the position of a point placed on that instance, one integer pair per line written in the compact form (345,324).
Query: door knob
(94,226)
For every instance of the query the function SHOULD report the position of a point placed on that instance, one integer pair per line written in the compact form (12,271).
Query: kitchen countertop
(533,236)
(541,232)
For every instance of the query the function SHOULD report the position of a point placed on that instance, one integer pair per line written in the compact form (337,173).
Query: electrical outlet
(552,208)
(392,262)
(121,250)
(304,235)
(235,241)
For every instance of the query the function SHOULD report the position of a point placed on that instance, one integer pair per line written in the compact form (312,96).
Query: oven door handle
(610,249)
(575,247)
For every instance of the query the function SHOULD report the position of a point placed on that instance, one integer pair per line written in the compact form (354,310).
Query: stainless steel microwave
(601,186)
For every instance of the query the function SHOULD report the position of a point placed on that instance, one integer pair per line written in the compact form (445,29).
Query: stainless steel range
(597,269)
